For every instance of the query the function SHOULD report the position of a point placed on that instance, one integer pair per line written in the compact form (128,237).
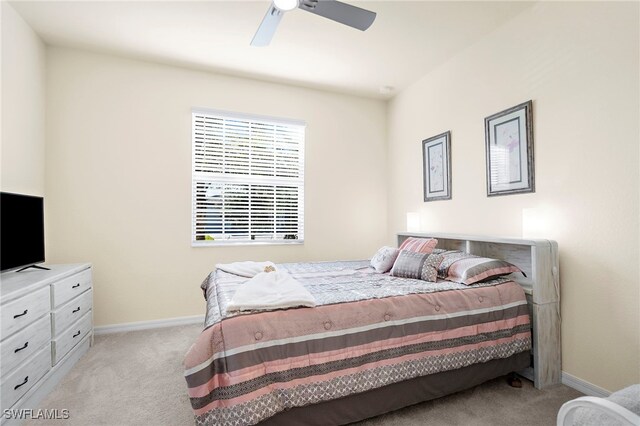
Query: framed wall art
(509,151)
(436,167)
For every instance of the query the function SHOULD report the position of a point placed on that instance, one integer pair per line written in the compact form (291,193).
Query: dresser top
(15,284)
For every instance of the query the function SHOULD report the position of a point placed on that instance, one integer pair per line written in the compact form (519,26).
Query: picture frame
(436,167)
(509,151)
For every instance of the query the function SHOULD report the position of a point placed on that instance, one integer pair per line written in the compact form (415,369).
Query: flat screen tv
(22,230)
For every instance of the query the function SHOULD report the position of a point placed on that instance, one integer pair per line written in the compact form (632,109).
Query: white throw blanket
(246,269)
(270,290)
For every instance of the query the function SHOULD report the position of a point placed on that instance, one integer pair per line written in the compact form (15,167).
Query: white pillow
(384,258)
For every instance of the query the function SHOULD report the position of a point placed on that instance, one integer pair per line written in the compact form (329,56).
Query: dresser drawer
(24,377)
(68,338)
(70,287)
(23,344)
(70,312)
(21,312)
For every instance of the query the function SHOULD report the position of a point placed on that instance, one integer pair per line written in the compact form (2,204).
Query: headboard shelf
(538,259)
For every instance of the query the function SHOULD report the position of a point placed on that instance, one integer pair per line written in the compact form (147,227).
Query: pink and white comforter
(368,330)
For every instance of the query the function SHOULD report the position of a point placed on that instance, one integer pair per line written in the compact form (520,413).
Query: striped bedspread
(368,330)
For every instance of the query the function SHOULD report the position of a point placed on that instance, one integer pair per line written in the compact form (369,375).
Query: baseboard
(583,386)
(147,325)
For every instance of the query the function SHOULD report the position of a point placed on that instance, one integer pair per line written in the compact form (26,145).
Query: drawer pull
(75,286)
(75,310)
(22,314)
(19,349)
(77,334)
(26,379)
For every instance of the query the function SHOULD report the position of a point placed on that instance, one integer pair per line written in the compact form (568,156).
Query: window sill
(220,243)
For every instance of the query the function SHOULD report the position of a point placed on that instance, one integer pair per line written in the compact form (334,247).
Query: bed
(374,343)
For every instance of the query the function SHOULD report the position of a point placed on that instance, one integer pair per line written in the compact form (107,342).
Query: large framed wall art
(509,151)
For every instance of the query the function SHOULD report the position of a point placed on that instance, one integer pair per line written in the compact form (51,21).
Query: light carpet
(136,378)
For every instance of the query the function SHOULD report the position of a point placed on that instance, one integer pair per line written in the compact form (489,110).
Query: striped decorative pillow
(419,245)
(421,266)
(468,269)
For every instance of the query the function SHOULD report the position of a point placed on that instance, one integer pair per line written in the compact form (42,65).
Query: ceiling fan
(332,9)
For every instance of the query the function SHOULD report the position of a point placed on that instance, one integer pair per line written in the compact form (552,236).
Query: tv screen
(22,230)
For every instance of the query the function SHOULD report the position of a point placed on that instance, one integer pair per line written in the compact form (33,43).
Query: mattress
(368,331)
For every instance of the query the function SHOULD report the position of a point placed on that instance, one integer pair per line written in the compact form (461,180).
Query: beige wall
(23,106)
(579,63)
(119,177)
(118,166)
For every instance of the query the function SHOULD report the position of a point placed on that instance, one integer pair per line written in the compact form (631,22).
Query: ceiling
(407,40)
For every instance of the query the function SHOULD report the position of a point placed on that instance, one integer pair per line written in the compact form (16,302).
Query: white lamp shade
(413,222)
(533,223)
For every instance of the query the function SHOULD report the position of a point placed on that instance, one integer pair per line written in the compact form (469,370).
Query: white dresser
(46,325)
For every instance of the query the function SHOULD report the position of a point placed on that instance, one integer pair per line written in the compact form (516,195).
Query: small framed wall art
(436,167)
(509,151)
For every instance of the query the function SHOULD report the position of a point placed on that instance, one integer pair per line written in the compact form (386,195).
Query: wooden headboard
(539,260)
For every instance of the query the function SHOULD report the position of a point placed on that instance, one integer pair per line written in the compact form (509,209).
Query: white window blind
(248,179)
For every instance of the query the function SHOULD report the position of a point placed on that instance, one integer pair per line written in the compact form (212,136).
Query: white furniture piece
(620,408)
(46,326)
(539,261)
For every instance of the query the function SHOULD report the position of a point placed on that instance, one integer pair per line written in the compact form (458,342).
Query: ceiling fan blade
(267,27)
(340,12)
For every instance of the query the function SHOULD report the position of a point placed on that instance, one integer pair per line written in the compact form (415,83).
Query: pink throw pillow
(419,245)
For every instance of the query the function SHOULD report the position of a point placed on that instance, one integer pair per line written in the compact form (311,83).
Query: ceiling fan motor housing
(286,5)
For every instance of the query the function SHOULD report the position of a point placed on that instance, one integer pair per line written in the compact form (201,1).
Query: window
(248,179)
